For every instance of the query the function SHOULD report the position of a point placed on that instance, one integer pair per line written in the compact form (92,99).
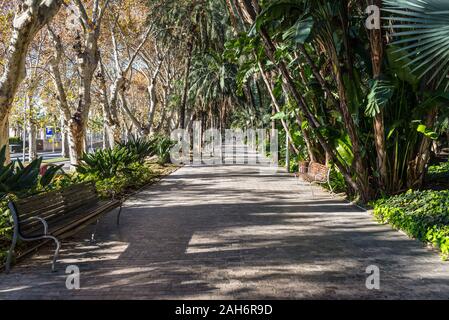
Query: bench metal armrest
(41,220)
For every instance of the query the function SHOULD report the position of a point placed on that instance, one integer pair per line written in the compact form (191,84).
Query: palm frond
(421,28)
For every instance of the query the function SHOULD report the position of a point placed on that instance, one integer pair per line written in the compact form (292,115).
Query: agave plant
(140,147)
(106,164)
(163,146)
(421,28)
(18,179)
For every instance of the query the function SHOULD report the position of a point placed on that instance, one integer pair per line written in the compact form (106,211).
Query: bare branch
(115,47)
(136,53)
(101,13)
(83,14)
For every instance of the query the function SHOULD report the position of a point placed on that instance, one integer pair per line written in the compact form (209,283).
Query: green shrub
(337,181)
(141,148)
(106,164)
(111,187)
(116,170)
(5,219)
(17,180)
(439,169)
(5,229)
(163,147)
(15,140)
(20,180)
(439,172)
(135,176)
(423,215)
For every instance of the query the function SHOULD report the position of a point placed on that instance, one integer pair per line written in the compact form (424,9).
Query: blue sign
(49,132)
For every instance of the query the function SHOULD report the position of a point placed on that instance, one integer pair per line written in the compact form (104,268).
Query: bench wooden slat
(61,212)
(90,217)
(315,172)
(65,222)
(49,200)
(36,210)
(56,207)
(79,191)
(42,204)
(39,203)
(51,218)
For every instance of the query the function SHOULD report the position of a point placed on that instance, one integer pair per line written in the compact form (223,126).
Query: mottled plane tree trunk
(30,17)
(88,56)
(153,67)
(117,87)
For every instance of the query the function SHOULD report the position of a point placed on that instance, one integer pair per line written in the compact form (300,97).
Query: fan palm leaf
(421,28)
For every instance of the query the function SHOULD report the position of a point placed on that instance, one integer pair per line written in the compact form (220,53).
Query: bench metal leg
(92,237)
(119,214)
(11,252)
(331,189)
(55,256)
(297,178)
(14,242)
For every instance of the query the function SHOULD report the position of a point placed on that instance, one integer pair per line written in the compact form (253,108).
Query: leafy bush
(337,181)
(439,171)
(163,147)
(123,167)
(19,180)
(423,215)
(106,164)
(441,168)
(141,148)
(118,169)
(15,140)
(136,175)
(15,178)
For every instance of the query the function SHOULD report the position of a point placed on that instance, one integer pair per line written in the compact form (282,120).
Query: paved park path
(234,232)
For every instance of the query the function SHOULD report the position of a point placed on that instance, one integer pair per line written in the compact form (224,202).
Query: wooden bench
(58,214)
(315,173)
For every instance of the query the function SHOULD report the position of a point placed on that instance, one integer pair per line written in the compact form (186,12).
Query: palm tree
(421,33)
(213,79)
(196,25)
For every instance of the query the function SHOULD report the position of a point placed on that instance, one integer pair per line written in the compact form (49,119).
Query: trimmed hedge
(423,215)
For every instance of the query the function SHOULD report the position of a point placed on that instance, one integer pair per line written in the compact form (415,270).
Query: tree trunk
(32,147)
(164,108)
(105,138)
(152,99)
(4,134)
(110,112)
(307,140)
(77,134)
(62,97)
(65,142)
(277,107)
(417,167)
(358,162)
(30,18)
(377,53)
(132,117)
(88,57)
(185,94)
